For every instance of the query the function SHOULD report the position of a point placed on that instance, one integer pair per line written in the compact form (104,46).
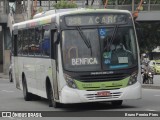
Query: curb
(150,87)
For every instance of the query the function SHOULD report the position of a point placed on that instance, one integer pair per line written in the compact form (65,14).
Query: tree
(62,4)
(148,36)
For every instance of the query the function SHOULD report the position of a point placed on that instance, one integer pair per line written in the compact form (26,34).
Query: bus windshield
(112,48)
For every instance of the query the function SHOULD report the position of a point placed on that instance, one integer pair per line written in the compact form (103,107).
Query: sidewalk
(155,85)
(5,76)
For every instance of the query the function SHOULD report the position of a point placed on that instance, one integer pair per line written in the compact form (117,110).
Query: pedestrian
(145,77)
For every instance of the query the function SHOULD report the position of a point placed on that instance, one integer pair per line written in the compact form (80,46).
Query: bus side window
(38,40)
(45,44)
(31,38)
(19,42)
(25,42)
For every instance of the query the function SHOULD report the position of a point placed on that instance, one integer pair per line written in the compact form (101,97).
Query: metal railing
(145,7)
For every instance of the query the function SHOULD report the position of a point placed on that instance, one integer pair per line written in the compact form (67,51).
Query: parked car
(10,73)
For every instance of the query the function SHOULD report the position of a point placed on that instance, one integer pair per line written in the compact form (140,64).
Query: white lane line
(11,118)
(6,91)
(157,95)
(3,79)
(150,110)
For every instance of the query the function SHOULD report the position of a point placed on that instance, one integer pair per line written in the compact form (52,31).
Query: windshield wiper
(112,38)
(87,42)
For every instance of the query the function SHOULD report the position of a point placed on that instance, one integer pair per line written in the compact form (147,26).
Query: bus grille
(96,97)
(102,78)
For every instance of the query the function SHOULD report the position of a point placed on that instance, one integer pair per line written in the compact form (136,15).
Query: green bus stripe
(102,85)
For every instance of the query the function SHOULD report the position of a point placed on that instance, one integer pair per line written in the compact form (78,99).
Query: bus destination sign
(102,19)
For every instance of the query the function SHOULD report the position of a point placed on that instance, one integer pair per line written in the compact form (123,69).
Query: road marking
(3,79)
(150,110)
(157,95)
(7,91)
(11,118)
(14,118)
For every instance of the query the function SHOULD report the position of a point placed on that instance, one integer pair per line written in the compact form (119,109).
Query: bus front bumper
(69,95)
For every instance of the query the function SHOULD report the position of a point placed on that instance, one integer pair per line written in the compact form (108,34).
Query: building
(5,41)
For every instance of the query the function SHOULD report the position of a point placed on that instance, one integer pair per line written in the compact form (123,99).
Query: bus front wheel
(26,94)
(117,103)
(52,102)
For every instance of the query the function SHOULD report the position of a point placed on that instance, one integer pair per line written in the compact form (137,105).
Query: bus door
(54,60)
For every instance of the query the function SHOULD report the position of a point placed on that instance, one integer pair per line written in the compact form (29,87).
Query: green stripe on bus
(102,85)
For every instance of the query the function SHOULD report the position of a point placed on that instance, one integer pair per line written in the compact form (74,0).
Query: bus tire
(52,102)
(26,94)
(117,103)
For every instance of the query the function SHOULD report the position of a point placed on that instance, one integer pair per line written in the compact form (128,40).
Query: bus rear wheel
(52,102)
(26,94)
(117,103)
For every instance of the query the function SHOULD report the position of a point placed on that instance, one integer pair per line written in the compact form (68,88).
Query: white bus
(77,56)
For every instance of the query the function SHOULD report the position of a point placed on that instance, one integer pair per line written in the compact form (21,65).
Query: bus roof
(49,16)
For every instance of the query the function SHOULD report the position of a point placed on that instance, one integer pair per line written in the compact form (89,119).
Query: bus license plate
(104,93)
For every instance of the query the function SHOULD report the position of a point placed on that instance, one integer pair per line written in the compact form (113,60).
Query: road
(11,99)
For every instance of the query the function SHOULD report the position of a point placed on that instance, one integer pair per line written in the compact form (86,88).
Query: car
(155,65)
(10,73)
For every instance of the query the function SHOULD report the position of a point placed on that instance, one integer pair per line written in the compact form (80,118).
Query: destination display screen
(95,19)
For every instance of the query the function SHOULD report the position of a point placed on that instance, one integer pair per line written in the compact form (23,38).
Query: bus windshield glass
(111,48)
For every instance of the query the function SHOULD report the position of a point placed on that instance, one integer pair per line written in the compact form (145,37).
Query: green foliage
(149,36)
(63,4)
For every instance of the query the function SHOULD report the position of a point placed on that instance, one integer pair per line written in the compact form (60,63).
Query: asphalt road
(11,99)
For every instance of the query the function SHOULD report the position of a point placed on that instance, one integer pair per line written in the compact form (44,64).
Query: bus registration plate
(104,93)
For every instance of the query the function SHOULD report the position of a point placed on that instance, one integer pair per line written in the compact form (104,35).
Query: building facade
(5,41)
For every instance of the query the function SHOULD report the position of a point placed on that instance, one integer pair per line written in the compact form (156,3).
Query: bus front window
(77,55)
(119,49)
(102,49)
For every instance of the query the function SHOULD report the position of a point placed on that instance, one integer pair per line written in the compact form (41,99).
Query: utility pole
(29,8)
(132,6)
(49,4)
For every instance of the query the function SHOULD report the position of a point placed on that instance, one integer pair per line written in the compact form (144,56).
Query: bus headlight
(70,82)
(133,78)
